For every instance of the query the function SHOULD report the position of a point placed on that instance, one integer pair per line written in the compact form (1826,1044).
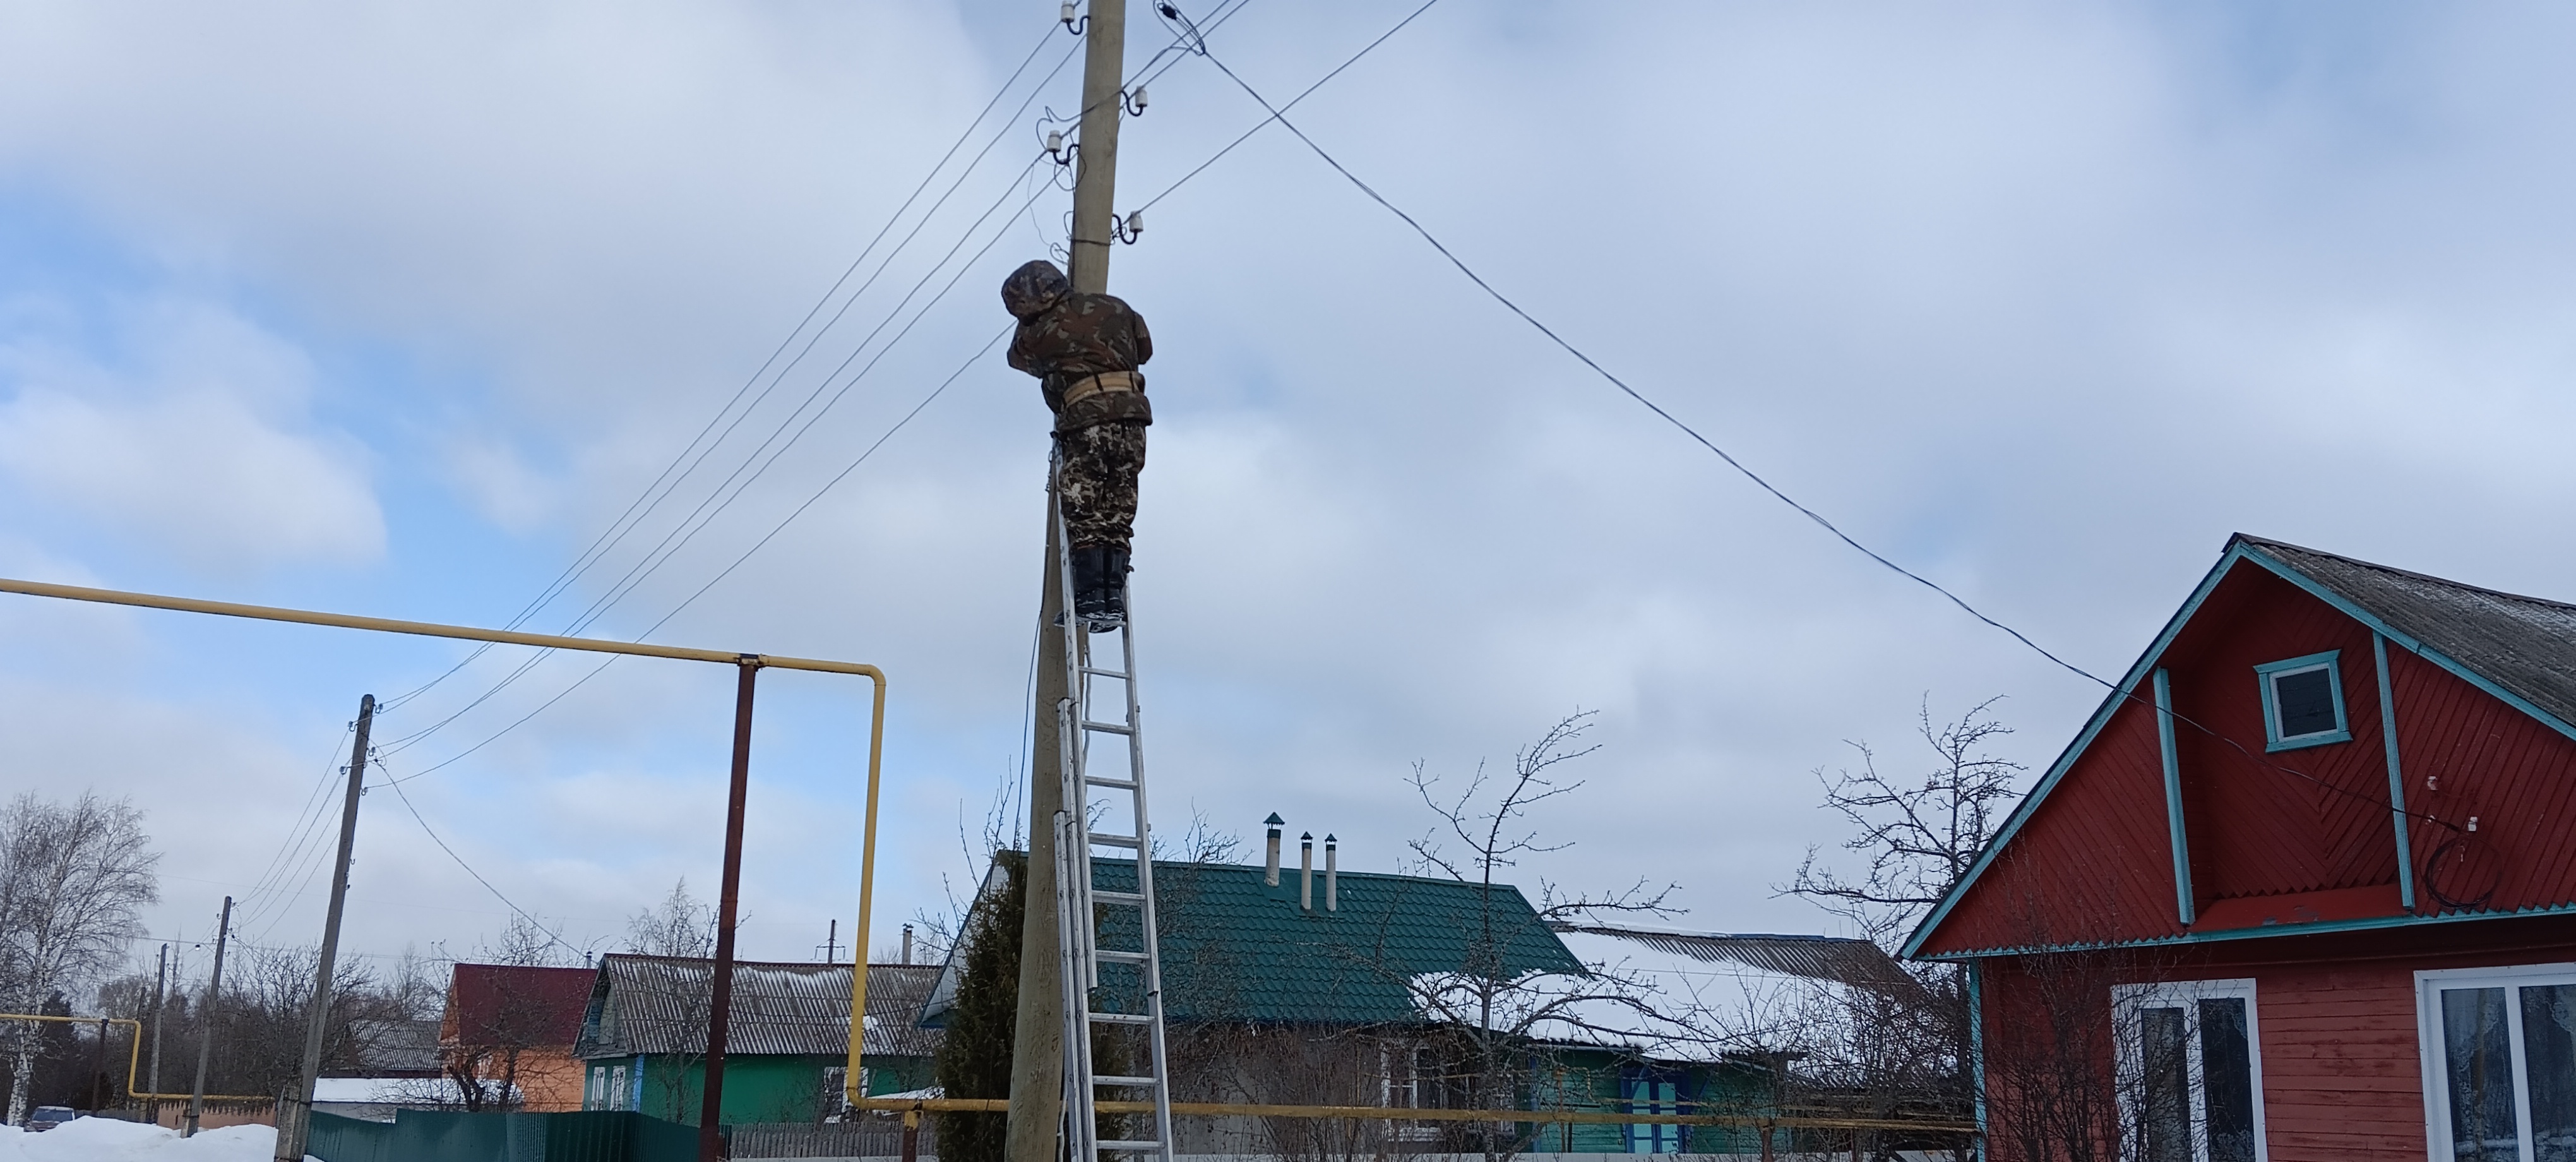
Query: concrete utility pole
(1036,1119)
(295,1115)
(206,1021)
(160,1009)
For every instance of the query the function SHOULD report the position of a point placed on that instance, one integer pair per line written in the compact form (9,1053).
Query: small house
(2302,887)
(511,1028)
(644,1037)
(1329,988)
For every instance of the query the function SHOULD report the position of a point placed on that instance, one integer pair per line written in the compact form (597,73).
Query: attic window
(2302,702)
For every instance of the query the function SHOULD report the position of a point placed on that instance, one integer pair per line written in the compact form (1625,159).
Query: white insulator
(1140,98)
(1135,223)
(1067,11)
(1055,141)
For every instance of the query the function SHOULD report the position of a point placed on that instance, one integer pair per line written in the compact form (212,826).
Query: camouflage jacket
(1083,335)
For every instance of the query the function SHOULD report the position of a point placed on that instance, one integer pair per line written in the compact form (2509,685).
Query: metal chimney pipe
(1332,875)
(1306,871)
(907,944)
(1271,875)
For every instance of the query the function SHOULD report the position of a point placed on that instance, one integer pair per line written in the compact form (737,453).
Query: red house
(2304,887)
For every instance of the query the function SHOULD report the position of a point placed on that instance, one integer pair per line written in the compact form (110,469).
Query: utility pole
(206,1021)
(295,1115)
(160,1009)
(1036,1119)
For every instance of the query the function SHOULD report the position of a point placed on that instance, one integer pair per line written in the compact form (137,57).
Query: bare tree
(1877,1051)
(72,881)
(678,926)
(1493,1014)
(525,944)
(1920,838)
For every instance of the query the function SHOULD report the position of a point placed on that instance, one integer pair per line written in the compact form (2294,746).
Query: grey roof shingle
(658,1004)
(2525,644)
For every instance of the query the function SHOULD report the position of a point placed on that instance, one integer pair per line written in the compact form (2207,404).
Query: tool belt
(1107,381)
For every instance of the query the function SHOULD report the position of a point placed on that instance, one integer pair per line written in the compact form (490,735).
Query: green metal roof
(1237,949)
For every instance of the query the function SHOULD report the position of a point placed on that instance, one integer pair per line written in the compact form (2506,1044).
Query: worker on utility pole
(1084,349)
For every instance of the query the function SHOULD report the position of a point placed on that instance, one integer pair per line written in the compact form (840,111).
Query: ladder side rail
(1081,1126)
(1157,1049)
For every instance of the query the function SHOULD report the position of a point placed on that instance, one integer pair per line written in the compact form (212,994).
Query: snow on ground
(107,1140)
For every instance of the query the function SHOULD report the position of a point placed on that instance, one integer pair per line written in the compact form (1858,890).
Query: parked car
(48,1117)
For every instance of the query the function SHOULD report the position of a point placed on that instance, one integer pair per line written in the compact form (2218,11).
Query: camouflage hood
(1033,288)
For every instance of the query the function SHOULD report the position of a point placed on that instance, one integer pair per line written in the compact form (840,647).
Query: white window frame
(2429,986)
(2128,999)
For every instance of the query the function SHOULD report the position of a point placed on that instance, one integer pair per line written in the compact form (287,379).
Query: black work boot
(1113,605)
(1092,593)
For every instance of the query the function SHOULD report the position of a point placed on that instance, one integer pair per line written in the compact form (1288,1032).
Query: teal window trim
(2268,672)
(1977,1038)
(2396,778)
(2183,907)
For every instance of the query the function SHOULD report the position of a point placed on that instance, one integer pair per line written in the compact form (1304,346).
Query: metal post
(911,1135)
(295,1115)
(206,1021)
(98,1070)
(728,906)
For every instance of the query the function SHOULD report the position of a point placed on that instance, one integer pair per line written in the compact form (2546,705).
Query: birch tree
(72,881)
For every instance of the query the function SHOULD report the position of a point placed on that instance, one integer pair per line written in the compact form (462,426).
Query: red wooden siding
(2516,774)
(2293,835)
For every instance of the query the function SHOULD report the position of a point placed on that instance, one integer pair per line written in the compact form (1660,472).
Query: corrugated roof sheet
(1237,949)
(657,1004)
(2525,644)
(1834,958)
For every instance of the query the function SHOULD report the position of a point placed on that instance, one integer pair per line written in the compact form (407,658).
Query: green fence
(431,1136)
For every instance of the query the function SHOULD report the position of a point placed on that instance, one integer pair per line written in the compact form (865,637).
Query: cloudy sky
(396,310)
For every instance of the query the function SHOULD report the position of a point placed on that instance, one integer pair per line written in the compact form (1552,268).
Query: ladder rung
(1122,1018)
(1097,672)
(1131,899)
(1112,784)
(1126,841)
(1129,1082)
(1106,727)
(1132,1147)
(1122,957)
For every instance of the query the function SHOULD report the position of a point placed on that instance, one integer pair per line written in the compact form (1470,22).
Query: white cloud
(199,442)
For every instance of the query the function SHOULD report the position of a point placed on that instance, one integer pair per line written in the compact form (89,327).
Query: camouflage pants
(1096,471)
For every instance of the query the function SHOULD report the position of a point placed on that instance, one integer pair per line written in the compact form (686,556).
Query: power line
(432,833)
(647,500)
(1278,114)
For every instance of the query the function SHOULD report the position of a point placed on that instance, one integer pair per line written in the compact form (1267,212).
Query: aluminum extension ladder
(1132,999)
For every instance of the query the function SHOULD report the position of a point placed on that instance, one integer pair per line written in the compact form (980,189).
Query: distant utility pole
(160,1009)
(206,1021)
(295,1115)
(1036,1118)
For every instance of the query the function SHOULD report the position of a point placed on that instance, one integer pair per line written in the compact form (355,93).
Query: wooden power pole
(295,1114)
(206,1021)
(1036,1119)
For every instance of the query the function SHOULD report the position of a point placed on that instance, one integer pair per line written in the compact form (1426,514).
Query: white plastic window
(2190,1072)
(2499,1049)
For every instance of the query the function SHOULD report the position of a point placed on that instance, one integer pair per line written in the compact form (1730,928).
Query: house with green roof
(1304,988)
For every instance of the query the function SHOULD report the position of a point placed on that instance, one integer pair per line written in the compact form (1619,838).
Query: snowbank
(106,1140)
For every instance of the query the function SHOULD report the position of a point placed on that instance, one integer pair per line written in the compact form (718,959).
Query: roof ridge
(2445,582)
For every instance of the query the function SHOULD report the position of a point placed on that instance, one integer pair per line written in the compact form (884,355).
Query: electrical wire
(648,500)
(781,526)
(1278,114)
(432,833)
